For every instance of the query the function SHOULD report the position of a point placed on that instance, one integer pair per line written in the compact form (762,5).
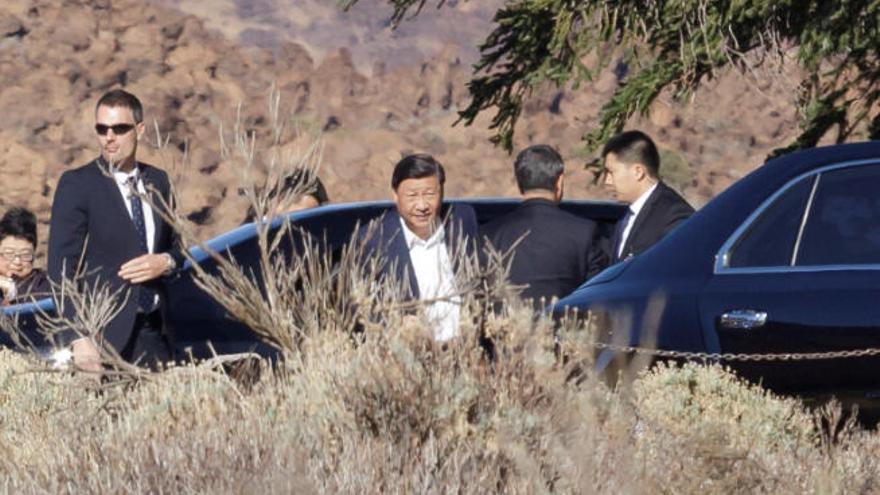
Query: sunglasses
(118,129)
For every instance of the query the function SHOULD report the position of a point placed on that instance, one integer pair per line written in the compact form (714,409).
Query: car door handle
(743,318)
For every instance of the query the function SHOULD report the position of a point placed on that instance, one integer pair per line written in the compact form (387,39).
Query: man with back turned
(555,251)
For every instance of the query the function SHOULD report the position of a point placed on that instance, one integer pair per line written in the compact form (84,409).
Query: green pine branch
(676,44)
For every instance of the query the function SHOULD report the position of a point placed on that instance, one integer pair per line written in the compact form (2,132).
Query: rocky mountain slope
(374,94)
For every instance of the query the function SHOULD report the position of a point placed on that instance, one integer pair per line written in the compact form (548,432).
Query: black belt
(152,319)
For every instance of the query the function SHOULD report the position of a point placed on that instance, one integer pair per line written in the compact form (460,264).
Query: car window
(843,226)
(769,240)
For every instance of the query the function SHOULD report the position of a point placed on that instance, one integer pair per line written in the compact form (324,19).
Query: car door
(803,275)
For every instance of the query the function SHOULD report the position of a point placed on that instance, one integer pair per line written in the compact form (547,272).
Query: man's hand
(7,288)
(144,268)
(86,356)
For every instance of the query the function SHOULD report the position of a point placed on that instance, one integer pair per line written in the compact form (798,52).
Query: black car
(199,320)
(787,260)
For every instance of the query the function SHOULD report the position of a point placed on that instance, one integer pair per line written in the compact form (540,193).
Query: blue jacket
(91,222)
(555,253)
(459,221)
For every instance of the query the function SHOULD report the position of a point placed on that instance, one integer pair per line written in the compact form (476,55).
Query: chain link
(728,356)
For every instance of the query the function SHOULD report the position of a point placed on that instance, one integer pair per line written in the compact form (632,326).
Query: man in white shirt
(103,221)
(435,279)
(632,166)
(420,239)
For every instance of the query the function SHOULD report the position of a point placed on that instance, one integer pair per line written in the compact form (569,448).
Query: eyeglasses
(24,256)
(118,129)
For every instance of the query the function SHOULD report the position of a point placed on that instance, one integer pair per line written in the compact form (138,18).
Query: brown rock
(17,162)
(340,79)
(77,32)
(662,115)
(193,58)
(11,26)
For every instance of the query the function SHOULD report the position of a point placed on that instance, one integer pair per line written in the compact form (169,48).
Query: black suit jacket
(460,224)
(555,256)
(661,213)
(90,221)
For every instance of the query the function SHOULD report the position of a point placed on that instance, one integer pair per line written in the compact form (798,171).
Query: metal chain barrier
(722,356)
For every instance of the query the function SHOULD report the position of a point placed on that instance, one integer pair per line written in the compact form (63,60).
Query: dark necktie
(618,234)
(147,296)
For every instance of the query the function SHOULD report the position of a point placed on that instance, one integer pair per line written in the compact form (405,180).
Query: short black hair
(119,98)
(538,167)
(296,179)
(19,222)
(633,147)
(417,166)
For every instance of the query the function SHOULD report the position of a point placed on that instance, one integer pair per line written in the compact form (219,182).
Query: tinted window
(769,241)
(843,227)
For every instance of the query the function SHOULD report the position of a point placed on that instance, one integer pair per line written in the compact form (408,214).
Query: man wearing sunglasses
(107,227)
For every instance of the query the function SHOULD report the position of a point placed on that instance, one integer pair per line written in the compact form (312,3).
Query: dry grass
(398,413)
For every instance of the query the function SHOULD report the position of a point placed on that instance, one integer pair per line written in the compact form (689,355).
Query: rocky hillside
(373,93)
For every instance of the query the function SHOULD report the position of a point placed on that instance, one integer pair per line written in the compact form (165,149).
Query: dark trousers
(148,345)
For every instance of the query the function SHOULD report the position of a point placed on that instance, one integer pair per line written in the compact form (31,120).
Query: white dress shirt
(436,279)
(122,182)
(634,209)
(122,179)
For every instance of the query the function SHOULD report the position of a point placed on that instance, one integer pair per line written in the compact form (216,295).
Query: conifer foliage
(678,45)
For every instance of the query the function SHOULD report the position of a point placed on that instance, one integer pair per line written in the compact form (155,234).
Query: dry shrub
(700,428)
(189,430)
(416,416)
(396,412)
(700,425)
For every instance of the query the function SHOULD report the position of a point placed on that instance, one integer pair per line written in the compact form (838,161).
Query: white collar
(122,178)
(638,204)
(413,240)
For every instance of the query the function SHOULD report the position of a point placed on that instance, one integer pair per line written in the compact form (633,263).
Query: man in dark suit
(553,256)
(421,240)
(632,166)
(100,216)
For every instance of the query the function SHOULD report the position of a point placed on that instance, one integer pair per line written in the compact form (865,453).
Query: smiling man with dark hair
(421,240)
(99,215)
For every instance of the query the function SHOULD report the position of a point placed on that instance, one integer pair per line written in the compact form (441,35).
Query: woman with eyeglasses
(20,282)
